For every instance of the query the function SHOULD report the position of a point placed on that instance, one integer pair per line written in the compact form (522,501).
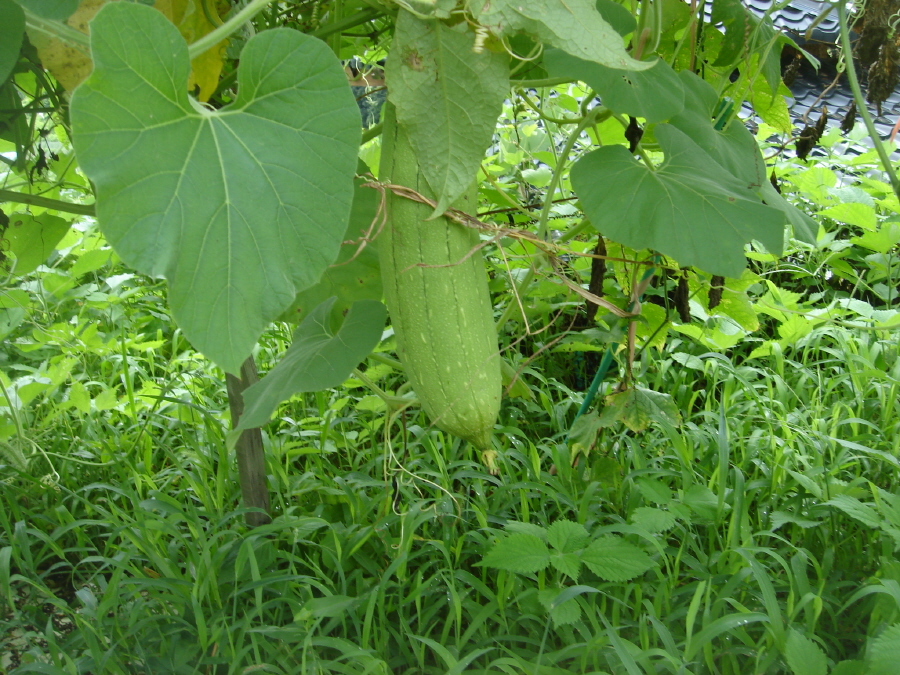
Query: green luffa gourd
(437,295)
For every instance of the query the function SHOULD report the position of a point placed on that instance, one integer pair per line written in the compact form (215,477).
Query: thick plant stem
(860,100)
(346,23)
(249,449)
(211,39)
(45,202)
(556,177)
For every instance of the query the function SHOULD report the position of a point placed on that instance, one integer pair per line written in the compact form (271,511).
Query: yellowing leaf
(69,65)
(190,16)
(638,407)
(772,108)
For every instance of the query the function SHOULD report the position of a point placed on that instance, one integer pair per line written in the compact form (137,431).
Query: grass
(781,484)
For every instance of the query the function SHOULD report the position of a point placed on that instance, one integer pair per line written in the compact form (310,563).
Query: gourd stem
(861,101)
(591,393)
(214,37)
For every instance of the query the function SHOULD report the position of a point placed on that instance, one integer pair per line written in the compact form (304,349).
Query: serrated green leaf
(653,520)
(734,17)
(738,307)
(884,652)
(79,398)
(856,509)
(746,34)
(689,361)
(614,559)
(853,213)
(448,97)
(514,526)
(779,518)
(654,491)
(539,177)
(91,261)
(33,238)
(13,122)
(816,183)
(567,536)
(567,563)
(238,208)
(12,28)
(771,107)
(690,208)
(317,359)
(804,656)
(636,408)
(58,10)
(793,328)
(655,94)
(575,26)
(10,319)
(849,668)
(14,298)
(882,241)
(521,553)
(327,606)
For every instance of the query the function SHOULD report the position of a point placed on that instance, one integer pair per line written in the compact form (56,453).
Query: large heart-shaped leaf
(655,94)
(575,26)
(735,149)
(617,16)
(50,9)
(12,28)
(690,208)
(356,274)
(448,97)
(238,208)
(317,359)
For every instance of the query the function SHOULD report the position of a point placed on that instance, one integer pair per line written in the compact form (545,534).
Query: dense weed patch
(770,517)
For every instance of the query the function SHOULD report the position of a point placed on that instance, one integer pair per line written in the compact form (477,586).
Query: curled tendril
(405,5)
(535,53)
(481,34)
(892,23)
